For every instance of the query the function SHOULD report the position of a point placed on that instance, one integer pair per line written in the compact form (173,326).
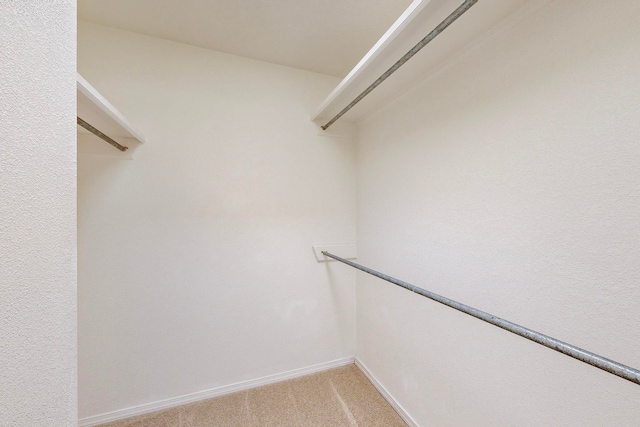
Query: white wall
(509,182)
(37,214)
(195,261)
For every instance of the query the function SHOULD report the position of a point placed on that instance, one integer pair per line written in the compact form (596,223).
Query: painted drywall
(196,268)
(509,182)
(37,214)
(309,35)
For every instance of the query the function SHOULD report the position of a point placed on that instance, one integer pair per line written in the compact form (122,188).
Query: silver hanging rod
(101,135)
(613,367)
(407,56)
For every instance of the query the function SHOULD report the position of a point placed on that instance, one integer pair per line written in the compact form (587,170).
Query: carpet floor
(337,397)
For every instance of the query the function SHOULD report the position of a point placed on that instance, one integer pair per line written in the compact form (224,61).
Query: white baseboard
(208,394)
(388,397)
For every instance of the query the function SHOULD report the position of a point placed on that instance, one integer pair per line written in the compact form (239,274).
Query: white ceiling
(325,36)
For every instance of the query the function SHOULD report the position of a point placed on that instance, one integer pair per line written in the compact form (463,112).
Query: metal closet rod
(407,56)
(613,367)
(101,135)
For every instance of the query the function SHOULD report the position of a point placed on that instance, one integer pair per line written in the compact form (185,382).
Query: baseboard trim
(388,397)
(213,392)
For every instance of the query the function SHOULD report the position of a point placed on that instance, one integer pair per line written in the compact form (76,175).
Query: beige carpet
(338,397)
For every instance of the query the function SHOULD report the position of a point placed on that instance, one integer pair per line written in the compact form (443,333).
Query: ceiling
(325,36)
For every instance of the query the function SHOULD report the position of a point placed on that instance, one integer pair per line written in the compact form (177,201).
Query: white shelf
(479,24)
(97,111)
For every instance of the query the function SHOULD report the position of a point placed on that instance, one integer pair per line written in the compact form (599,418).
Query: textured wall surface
(511,183)
(37,213)
(195,261)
